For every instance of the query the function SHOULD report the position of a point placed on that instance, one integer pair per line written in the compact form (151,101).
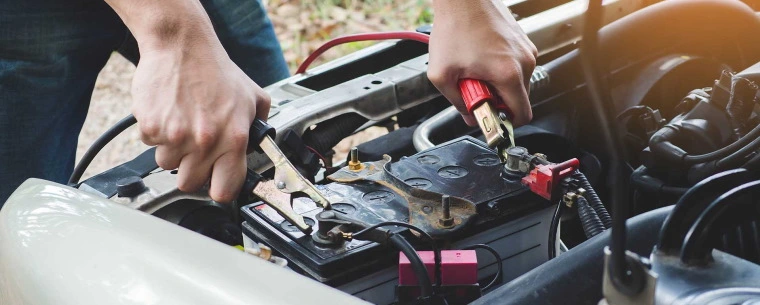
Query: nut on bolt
(571,198)
(354,164)
(446,220)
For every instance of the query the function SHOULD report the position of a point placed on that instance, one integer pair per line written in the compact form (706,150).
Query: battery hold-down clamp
(544,180)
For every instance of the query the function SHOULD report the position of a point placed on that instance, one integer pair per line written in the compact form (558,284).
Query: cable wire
(408,35)
(725,151)
(98,145)
(603,109)
(499,273)
(436,251)
(554,227)
(418,266)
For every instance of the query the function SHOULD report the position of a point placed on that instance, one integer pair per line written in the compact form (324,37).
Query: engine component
(717,130)
(689,269)
(488,206)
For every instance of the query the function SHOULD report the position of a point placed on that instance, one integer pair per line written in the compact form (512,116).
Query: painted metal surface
(62,246)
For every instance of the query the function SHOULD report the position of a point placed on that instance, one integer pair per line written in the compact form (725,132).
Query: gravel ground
(301,26)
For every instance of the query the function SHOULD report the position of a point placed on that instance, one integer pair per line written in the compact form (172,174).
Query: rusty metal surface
(425,208)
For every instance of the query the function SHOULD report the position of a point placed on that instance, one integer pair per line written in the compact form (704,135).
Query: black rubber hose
(420,271)
(641,179)
(593,199)
(590,221)
(98,145)
(328,133)
(662,146)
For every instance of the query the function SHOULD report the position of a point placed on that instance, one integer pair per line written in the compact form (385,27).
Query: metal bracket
(425,208)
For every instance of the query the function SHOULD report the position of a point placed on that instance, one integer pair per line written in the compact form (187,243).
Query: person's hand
(480,39)
(197,106)
(190,99)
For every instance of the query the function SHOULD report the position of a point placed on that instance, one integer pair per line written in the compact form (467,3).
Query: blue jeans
(51,52)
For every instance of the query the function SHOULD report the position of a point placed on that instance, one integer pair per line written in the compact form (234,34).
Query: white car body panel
(59,245)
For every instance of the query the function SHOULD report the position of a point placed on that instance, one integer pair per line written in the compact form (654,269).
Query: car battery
(509,218)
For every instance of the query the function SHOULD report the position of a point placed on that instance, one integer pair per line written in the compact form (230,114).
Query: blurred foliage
(303,25)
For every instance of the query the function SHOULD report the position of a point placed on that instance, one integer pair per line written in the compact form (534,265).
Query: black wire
(99,143)
(436,251)
(554,227)
(725,151)
(593,199)
(418,266)
(603,108)
(499,274)
(737,157)
(753,164)
(590,221)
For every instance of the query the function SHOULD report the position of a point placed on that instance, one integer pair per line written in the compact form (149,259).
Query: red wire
(320,156)
(408,35)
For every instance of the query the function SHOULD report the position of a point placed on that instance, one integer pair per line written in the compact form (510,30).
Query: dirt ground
(301,26)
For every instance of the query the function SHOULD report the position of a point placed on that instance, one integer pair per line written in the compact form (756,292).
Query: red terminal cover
(476,92)
(544,178)
(458,267)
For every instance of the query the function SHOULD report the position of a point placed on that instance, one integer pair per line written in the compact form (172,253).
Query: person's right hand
(197,106)
(190,99)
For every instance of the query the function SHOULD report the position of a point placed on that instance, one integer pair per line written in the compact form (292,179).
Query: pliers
(491,113)
(279,192)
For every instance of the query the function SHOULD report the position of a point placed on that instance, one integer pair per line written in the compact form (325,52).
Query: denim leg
(51,53)
(248,36)
(50,57)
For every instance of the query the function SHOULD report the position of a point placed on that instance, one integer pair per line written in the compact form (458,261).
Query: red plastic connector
(476,92)
(543,179)
(458,267)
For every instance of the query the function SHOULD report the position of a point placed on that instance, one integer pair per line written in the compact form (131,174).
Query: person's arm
(190,99)
(480,39)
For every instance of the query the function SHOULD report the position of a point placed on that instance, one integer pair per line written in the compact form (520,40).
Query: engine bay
(528,228)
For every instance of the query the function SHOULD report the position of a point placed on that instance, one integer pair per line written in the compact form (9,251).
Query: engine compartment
(686,105)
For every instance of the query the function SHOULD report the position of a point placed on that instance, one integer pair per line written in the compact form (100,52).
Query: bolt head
(446,222)
(280,184)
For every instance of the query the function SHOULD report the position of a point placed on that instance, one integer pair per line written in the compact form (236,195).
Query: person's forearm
(470,11)
(163,24)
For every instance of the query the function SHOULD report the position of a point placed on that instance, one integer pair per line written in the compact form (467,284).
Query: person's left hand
(480,39)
